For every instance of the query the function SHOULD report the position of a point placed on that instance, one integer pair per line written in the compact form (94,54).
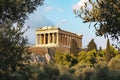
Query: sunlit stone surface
(50,36)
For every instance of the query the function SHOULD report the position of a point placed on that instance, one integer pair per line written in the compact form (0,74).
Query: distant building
(50,39)
(49,36)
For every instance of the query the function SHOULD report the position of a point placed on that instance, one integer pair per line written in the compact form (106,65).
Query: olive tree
(104,14)
(13,50)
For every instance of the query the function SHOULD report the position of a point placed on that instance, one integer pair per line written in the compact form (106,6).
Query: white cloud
(63,21)
(79,5)
(38,19)
(48,8)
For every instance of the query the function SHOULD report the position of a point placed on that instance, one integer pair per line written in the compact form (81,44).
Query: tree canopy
(13,50)
(17,10)
(74,47)
(105,14)
(108,54)
(91,45)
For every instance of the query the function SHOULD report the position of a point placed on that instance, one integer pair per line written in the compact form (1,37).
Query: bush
(114,64)
(50,72)
(101,74)
(65,59)
(66,77)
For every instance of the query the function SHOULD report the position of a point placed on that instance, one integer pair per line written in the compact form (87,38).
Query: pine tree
(100,48)
(91,45)
(108,54)
(74,47)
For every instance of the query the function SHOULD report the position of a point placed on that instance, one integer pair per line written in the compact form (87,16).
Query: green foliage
(114,75)
(114,64)
(74,47)
(49,71)
(82,55)
(91,66)
(102,53)
(25,72)
(105,14)
(63,69)
(88,73)
(100,49)
(65,59)
(108,54)
(91,45)
(83,71)
(13,50)
(17,10)
(114,51)
(101,74)
(66,77)
(87,57)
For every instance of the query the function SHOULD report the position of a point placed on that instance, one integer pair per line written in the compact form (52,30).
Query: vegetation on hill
(74,47)
(108,53)
(87,65)
(91,45)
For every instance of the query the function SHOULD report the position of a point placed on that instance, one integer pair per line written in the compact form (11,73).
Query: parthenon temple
(50,36)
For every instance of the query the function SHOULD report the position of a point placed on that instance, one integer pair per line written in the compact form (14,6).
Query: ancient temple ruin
(51,39)
(50,36)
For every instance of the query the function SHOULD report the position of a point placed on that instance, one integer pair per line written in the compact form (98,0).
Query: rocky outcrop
(44,54)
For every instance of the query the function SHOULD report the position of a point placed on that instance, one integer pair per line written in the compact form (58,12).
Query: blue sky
(60,13)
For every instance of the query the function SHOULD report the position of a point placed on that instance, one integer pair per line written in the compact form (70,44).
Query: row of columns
(57,38)
(46,38)
(65,39)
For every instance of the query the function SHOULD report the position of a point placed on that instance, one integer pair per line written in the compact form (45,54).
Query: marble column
(79,42)
(63,39)
(57,38)
(68,40)
(48,38)
(37,39)
(53,38)
(60,38)
(44,38)
(55,34)
(40,39)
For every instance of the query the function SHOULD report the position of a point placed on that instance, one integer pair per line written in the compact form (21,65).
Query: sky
(60,13)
